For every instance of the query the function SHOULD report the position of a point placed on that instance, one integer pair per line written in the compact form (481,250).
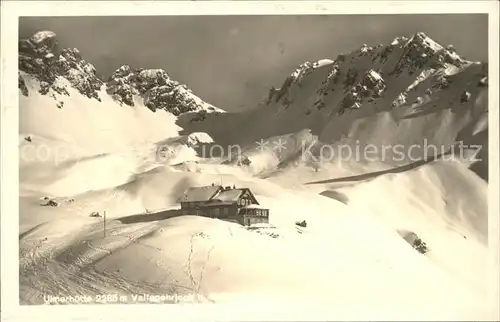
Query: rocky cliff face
(41,58)
(156,88)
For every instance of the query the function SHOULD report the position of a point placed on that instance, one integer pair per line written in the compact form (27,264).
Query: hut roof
(216,195)
(203,193)
(231,195)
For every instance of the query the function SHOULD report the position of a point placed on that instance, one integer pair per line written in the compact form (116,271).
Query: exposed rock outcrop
(41,57)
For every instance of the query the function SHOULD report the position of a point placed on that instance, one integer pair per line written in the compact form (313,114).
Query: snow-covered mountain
(131,145)
(412,91)
(41,57)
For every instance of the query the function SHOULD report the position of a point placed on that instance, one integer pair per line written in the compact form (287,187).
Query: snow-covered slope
(69,122)
(346,257)
(104,149)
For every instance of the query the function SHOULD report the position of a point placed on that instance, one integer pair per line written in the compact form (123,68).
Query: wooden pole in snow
(104,223)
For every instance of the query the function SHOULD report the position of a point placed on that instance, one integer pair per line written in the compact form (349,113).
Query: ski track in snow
(42,274)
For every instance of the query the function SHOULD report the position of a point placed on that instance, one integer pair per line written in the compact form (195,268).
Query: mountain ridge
(410,92)
(41,57)
(419,53)
(357,97)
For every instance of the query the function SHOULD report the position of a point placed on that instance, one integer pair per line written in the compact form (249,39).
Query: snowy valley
(131,145)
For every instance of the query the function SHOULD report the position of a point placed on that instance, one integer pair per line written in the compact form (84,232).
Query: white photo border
(12,10)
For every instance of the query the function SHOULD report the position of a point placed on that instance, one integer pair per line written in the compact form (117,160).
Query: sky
(233,61)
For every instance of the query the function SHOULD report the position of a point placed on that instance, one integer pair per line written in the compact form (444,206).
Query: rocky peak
(156,88)
(421,51)
(422,40)
(140,80)
(399,40)
(41,57)
(365,50)
(367,74)
(41,43)
(300,72)
(296,78)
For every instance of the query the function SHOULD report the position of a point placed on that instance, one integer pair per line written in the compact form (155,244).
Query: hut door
(248,221)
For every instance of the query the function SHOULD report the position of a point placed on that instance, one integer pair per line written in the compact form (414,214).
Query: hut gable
(232,196)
